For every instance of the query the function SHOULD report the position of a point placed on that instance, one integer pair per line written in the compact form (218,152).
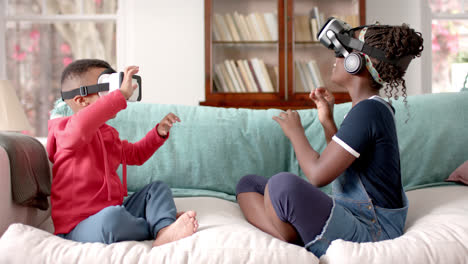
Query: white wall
(416,14)
(166,39)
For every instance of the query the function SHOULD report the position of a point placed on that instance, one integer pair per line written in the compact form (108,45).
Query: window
(449,44)
(44,36)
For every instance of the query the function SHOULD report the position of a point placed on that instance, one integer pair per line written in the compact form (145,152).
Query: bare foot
(179,214)
(185,225)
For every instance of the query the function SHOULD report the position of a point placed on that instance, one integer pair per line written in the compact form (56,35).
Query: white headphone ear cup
(354,62)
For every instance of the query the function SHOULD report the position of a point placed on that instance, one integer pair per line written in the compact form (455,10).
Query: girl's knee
(251,183)
(283,182)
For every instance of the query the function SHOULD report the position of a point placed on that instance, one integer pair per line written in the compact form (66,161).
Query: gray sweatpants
(140,217)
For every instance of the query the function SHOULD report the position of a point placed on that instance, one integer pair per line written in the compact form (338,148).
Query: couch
(212,148)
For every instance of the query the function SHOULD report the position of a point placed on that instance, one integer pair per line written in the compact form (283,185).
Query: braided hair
(397,42)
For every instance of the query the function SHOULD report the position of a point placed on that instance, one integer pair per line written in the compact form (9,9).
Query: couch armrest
(12,212)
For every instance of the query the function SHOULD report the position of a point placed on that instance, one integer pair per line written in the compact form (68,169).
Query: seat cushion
(436,232)
(224,236)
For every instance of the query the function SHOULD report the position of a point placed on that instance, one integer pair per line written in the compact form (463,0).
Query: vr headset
(339,36)
(108,81)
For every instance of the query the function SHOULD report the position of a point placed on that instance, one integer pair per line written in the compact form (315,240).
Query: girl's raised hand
(290,122)
(325,101)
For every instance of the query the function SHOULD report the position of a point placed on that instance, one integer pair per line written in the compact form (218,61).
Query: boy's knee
(159,186)
(110,222)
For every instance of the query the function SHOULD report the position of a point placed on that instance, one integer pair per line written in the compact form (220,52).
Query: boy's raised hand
(166,124)
(127,87)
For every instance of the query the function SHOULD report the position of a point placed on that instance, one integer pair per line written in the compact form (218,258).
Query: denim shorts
(359,221)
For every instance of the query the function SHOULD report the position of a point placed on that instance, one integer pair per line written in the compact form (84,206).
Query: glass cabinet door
(247,57)
(310,64)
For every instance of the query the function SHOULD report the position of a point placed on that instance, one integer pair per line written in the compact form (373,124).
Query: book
(216,32)
(263,26)
(272,25)
(217,87)
(315,13)
(315,72)
(224,30)
(266,76)
(300,83)
(256,27)
(308,76)
(273,73)
(238,27)
(232,76)
(239,80)
(314,28)
(232,27)
(244,34)
(244,76)
(227,78)
(255,75)
(246,27)
(222,83)
(250,75)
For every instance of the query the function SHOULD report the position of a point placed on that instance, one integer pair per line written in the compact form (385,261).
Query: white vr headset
(339,36)
(108,81)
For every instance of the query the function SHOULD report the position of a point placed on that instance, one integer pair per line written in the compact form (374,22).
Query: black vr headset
(339,36)
(108,81)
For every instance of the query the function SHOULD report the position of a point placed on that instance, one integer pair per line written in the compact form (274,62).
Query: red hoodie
(86,153)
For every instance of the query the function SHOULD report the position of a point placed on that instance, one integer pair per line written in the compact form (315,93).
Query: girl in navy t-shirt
(361,160)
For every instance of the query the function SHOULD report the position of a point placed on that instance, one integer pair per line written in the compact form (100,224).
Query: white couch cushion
(223,237)
(436,232)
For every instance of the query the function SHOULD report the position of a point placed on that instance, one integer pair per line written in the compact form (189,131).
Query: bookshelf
(263,53)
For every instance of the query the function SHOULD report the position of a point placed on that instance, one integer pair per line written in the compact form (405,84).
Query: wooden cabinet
(264,53)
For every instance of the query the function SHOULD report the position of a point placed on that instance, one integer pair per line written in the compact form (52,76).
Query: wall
(416,14)
(166,39)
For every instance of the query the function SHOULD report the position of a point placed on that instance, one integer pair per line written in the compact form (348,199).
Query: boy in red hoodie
(87,194)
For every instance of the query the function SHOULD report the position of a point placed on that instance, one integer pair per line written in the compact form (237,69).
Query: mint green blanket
(212,148)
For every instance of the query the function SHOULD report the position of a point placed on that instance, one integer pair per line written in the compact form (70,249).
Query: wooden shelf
(281,54)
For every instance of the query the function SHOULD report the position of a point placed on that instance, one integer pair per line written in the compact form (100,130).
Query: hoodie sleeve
(139,152)
(83,125)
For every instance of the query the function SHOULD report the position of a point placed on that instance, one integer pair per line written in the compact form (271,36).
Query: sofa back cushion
(212,148)
(434,141)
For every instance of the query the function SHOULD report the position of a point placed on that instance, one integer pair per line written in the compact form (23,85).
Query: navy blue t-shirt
(369,133)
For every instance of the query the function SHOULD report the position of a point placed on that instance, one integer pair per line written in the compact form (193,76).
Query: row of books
(307,76)
(250,27)
(306,27)
(245,76)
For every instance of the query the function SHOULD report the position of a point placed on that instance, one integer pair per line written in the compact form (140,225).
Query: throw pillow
(460,175)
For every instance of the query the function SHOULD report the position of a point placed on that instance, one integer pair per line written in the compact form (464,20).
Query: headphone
(354,62)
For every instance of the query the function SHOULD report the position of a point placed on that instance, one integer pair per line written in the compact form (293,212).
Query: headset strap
(85,90)
(373,52)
